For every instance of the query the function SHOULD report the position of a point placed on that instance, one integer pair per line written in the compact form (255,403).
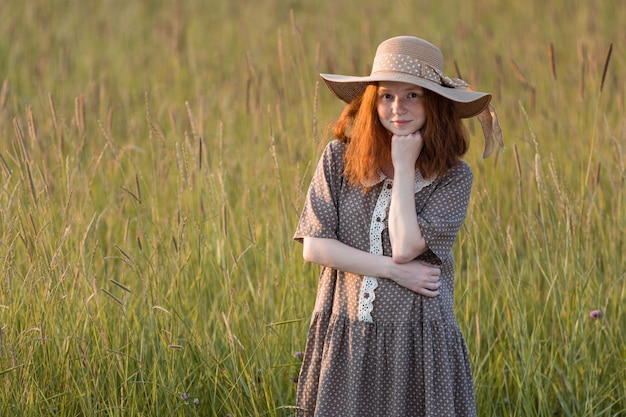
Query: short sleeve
(445,211)
(319,216)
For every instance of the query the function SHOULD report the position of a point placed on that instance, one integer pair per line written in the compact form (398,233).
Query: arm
(417,276)
(407,241)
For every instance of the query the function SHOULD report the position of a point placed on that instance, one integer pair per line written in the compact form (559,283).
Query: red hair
(369,143)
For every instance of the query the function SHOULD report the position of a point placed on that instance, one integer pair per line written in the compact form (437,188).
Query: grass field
(154,157)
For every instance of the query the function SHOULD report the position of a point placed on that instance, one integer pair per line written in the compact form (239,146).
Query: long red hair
(369,143)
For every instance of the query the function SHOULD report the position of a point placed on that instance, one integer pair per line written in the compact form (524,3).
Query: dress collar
(380,177)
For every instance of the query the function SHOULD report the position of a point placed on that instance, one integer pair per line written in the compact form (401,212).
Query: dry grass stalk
(20,139)
(281,54)
(131,194)
(200,153)
(185,173)
(114,298)
(55,122)
(552,61)
(120,285)
(53,112)
(606,65)
(110,119)
(120,250)
(79,113)
(192,120)
(531,88)
(251,68)
(176,347)
(138,189)
(5,166)
(158,307)
(295,30)
(25,157)
(518,165)
(224,221)
(518,72)
(538,175)
(175,243)
(3,93)
(148,116)
(279,118)
(248,88)
(32,129)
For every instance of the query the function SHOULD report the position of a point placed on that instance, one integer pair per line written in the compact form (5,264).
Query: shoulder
(334,153)
(330,165)
(459,175)
(460,170)
(335,148)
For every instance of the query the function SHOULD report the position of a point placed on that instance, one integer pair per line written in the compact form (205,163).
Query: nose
(398,106)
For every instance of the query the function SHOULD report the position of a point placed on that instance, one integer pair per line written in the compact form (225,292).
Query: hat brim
(348,87)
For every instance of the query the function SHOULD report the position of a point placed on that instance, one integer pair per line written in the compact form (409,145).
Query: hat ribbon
(488,118)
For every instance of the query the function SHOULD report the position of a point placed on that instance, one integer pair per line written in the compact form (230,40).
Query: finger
(427,278)
(433,286)
(429,264)
(429,293)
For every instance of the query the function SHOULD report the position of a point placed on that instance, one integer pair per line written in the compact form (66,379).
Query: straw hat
(415,61)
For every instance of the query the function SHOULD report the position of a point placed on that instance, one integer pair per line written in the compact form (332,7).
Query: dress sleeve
(319,216)
(444,213)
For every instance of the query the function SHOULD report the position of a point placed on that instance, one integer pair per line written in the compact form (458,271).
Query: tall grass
(154,158)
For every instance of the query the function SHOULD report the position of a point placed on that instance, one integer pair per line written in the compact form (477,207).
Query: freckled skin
(400,107)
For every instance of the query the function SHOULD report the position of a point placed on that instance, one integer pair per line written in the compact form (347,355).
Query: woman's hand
(405,150)
(418,277)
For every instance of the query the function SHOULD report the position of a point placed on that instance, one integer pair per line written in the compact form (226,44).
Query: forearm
(415,275)
(337,255)
(406,237)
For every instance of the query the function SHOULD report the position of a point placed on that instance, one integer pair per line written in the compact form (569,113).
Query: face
(400,107)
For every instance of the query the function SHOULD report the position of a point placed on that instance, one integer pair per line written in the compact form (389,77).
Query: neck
(387,169)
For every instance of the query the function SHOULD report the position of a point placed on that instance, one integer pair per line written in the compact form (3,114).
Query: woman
(381,215)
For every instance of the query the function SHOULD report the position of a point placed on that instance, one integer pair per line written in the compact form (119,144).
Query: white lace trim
(421,182)
(377,225)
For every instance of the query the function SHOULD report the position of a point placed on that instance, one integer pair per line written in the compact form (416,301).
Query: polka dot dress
(406,355)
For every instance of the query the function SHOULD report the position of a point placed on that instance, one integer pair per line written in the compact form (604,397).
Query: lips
(401,122)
